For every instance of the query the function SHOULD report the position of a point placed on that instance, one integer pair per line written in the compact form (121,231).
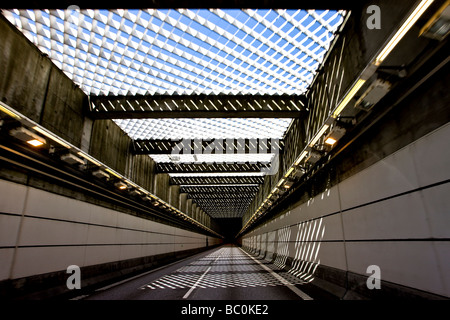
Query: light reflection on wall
(307,246)
(303,250)
(284,235)
(271,243)
(263,244)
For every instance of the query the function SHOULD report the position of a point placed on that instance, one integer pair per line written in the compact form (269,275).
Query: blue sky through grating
(215,128)
(188,52)
(201,51)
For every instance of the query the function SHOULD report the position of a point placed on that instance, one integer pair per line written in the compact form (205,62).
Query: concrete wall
(393,214)
(42,233)
(34,86)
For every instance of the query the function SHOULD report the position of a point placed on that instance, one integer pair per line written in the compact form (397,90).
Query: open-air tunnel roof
(192,60)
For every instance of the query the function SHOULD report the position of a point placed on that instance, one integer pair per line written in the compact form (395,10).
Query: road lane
(225,273)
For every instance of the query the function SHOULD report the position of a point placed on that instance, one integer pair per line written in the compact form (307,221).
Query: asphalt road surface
(224,273)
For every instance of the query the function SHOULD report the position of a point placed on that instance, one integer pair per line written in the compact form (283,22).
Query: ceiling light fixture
(299,172)
(373,94)
(135,192)
(280,182)
(414,16)
(289,172)
(100,174)
(53,137)
(113,173)
(330,141)
(27,136)
(348,97)
(35,143)
(302,156)
(72,159)
(438,27)
(6,109)
(335,134)
(121,185)
(321,132)
(288,184)
(314,156)
(89,158)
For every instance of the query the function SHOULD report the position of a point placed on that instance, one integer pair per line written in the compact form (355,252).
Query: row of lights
(77,157)
(310,155)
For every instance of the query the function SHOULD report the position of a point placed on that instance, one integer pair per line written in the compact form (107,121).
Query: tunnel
(210,152)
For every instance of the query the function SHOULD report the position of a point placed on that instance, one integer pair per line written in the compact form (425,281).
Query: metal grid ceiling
(196,128)
(190,52)
(182,51)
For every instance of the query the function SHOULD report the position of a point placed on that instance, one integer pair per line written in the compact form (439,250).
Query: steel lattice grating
(190,52)
(203,51)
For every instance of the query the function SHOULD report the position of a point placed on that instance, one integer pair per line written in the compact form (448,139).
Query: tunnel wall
(42,233)
(34,86)
(45,227)
(394,214)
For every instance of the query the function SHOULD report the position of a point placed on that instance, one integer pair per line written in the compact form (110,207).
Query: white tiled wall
(411,264)
(431,156)
(437,210)
(42,232)
(392,175)
(373,222)
(398,218)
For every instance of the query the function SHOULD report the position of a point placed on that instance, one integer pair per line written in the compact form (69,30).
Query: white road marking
(139,275)
(143,274)
(195,284)
(80,297)
(201,277)
(296,290)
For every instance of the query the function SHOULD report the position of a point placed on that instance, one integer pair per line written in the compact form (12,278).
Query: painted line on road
(296,290)
(115,284)
(201,277)
(196,283)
